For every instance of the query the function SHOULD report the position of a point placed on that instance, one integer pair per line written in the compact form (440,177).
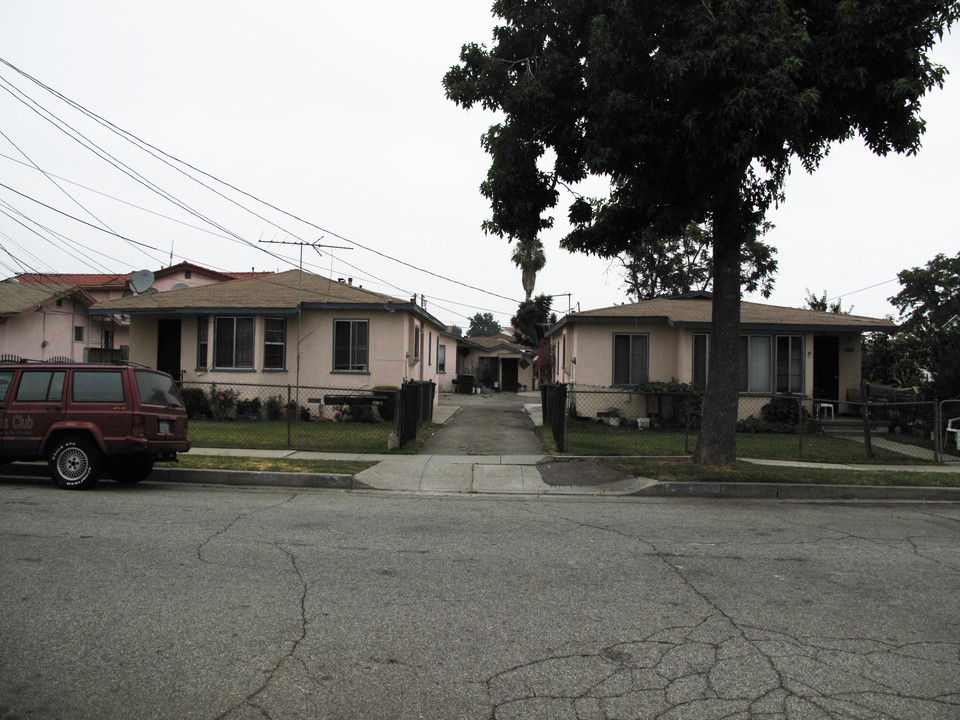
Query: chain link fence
(320,419)
(610,421)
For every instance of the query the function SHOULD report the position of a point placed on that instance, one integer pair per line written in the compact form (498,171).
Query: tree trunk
(717,444)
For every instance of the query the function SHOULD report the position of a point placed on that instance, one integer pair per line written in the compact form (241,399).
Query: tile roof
(17,298)
(280,291)
(492,342)
(123,279)
(698,311)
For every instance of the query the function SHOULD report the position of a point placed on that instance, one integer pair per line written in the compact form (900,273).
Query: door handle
(55,407)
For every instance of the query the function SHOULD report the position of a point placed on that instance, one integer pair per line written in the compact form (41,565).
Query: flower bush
(222,401)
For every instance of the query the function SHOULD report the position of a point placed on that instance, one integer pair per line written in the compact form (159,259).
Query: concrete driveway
(490,424)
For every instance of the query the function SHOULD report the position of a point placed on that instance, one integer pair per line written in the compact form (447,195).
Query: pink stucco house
(496,361)
(283,329)
(783,350)
(112,332)
(43,322)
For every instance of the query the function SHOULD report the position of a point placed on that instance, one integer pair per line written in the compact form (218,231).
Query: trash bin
(465,384)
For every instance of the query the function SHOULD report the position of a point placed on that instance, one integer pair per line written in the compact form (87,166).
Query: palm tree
(528,256)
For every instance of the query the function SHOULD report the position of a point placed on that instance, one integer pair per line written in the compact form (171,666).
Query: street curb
(796,491)
(651,488)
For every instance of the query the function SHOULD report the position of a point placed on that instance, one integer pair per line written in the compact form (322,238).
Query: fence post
(286,411)
(937,437)
(865,413)
(799,426)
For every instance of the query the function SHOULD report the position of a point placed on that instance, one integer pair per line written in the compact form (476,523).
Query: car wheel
(127,471)
(75,464)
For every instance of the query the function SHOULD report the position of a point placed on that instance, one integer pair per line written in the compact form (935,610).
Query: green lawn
(592,438)
(313,436)
(674,471)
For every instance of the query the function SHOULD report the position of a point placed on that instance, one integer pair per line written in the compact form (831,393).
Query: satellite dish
(180,286)
(141,281)
(149,291)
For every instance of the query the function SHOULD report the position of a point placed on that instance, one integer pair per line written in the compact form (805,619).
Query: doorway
(168,347)
(510,374)
(826,368)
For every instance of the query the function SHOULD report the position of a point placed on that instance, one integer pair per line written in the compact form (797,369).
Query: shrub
(783,409)
(273,407)
(195,402)
(248,406)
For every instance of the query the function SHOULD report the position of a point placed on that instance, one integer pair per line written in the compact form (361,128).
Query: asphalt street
(174,601)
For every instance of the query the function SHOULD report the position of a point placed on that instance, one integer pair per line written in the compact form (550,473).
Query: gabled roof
(119,280)
(122,280)
(501,341)
(19,299)
(695,312)
(280,293)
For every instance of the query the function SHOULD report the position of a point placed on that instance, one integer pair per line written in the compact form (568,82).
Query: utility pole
(316,246)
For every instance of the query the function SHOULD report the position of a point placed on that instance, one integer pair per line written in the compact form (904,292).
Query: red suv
(85,419)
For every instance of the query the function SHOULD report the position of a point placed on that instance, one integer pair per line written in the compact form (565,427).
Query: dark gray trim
(197,311)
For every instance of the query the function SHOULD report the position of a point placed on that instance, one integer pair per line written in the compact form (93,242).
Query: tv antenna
(316,245)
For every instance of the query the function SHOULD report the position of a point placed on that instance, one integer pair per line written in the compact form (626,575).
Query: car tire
(127,470)
(75,464)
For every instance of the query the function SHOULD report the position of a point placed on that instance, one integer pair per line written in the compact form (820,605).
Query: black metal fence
(612,421)
(321,419)
(415,408)
(553,404)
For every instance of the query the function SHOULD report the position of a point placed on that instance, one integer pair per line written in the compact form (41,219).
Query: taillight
(139,427)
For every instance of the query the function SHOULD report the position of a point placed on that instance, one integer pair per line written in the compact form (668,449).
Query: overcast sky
(335,113)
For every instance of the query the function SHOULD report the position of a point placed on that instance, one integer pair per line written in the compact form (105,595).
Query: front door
(168,347)
(510,373)
(826,368)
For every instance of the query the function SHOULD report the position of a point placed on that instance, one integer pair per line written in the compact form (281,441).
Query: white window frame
(234,363)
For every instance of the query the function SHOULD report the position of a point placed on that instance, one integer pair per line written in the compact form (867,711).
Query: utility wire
(144,144)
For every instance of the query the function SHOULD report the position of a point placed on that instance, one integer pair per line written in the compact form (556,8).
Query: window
(416,343)
(350,345)
(790,364)
(203,334)
(5,377)
(97,386)
(629,359)
(701,361)
(187,274)
(78,333)
(441,357)
(274,343)
(563,352)
(156,389)
(771,364)
(430,349)
(755,370)
(233,343)
(41,386)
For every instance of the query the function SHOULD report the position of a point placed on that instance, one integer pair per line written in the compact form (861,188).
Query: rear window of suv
(157,389)
(97,386)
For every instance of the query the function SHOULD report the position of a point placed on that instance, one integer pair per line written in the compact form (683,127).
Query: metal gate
(414,408)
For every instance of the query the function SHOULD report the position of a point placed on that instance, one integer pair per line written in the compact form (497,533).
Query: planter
(643,423)
(613,421)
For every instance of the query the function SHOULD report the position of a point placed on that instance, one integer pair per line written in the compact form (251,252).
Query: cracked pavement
(190,602)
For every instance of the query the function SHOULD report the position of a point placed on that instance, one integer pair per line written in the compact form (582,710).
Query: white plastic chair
(953,426)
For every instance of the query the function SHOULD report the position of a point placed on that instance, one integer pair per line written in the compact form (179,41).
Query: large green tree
(532,320)
(691,109)
(680,263)
(929,305)
(483,325)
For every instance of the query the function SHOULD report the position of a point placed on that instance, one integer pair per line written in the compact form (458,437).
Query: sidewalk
(519,475)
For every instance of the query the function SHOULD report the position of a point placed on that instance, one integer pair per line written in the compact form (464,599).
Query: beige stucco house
(496,361)
(783,350)
(282,329)
(43,322)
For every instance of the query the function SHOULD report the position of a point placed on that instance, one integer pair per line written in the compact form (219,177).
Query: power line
(143,144)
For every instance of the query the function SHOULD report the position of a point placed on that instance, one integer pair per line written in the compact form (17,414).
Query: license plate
(165,427)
